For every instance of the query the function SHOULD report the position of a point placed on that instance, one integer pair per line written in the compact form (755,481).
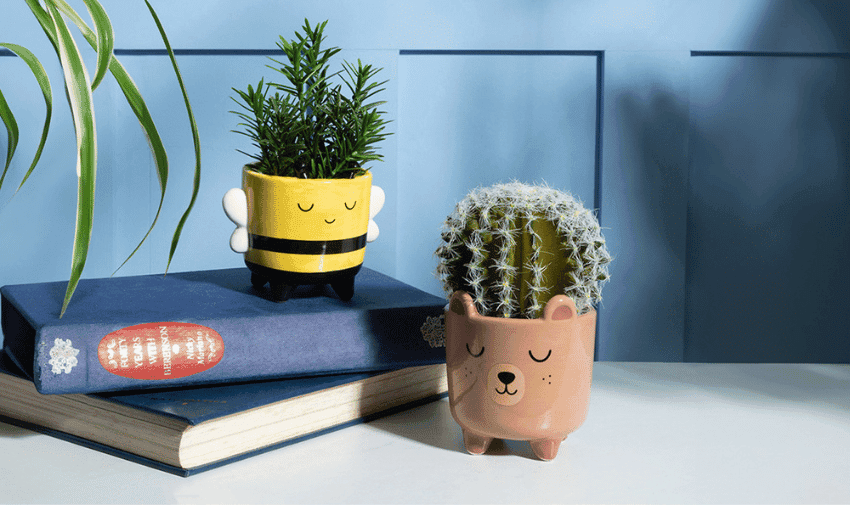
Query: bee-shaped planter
(303,231)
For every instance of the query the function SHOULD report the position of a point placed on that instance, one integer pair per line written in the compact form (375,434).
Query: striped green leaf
(105,40)
(101,41)
(44,83)
(77,84)
(11,133)
(45,21)
(139,108)
(195,138)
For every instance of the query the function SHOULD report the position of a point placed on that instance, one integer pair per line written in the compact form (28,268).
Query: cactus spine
(513,246)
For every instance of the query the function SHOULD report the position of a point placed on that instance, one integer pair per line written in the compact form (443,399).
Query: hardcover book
(188,430)
(208,327)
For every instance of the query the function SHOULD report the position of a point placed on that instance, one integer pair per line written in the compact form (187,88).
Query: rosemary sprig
(311,125)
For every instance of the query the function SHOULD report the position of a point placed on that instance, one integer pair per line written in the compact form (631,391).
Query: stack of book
(190,371)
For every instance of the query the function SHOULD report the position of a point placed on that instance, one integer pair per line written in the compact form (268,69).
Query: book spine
(19,335)
(77,358)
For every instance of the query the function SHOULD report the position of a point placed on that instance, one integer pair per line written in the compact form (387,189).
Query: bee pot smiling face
(307,225)
(307,209)
(325,211)
(330,215)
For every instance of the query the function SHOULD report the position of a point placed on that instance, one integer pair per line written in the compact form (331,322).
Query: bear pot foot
(475,444)
(545,450)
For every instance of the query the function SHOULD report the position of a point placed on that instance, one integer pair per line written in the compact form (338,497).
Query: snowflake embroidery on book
(63,357)
(434,331)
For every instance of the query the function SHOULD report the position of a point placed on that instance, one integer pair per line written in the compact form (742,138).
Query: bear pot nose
(506,377)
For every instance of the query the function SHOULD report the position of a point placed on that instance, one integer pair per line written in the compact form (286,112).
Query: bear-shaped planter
(519,379)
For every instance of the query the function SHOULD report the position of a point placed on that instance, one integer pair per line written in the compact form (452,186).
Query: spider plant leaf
(11,133)
(139,108)
(195,138)
(105,40)
(160,157)
(77,84)
(44,83)
(45,21)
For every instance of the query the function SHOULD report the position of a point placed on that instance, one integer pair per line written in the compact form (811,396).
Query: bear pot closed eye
(519,379)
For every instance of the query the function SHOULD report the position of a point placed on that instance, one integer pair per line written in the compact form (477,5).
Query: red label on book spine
(160,351)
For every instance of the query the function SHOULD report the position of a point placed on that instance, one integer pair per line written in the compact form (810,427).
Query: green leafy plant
(309,126)
(514,246)
(79,88)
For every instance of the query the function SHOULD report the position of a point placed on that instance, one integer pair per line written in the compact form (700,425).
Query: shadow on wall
(760,215)
(655,127)
(643,205)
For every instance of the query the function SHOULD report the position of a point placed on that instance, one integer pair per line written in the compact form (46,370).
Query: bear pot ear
(559,308)
(462,304)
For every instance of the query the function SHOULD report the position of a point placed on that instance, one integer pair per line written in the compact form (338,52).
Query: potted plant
(79,88)
(524,266)
(304,211)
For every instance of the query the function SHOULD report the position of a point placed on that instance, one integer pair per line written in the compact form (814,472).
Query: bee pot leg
(280,292)
(344,288)
(257,280)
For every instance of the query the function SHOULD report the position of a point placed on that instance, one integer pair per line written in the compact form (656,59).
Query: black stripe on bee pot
(314,247)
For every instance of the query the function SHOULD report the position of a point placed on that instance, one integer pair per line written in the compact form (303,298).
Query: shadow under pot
(519,379)
(303,231)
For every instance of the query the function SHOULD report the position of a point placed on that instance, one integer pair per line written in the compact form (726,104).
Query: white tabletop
(656,433)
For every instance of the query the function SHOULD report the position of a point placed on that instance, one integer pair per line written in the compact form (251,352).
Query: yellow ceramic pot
(519,379)
(303,231)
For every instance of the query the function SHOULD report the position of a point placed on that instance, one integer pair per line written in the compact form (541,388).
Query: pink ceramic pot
(519,379)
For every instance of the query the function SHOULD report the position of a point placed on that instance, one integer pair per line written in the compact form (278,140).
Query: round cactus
(513,246)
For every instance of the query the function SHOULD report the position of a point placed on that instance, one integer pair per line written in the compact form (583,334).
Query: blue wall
(712,137)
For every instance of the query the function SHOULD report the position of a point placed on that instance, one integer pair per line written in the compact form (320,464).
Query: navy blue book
(192,429)
(210,327)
